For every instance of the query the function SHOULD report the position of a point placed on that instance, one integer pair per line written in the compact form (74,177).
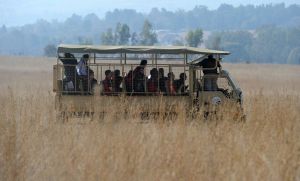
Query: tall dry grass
(34,146)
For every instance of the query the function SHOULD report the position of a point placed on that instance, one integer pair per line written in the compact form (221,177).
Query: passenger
(162,80)
(82,68)
(107,83)
(128,81)
(152,83)
(82,71)
(170,86)
(93,81)
(210,72)
(117,81)
(180,83)
(139,79)
(69,62)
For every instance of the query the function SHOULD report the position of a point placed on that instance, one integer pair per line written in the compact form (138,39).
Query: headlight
(216,100)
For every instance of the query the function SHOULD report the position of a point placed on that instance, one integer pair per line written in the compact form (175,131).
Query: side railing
(107,79)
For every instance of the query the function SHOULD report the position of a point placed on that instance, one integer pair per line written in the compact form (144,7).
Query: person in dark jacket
(180,83)
(139,78)
(210,70)
(69,62)
(162,80)
(117,81)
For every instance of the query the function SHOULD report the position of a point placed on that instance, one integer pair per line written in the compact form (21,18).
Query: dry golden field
(35,146)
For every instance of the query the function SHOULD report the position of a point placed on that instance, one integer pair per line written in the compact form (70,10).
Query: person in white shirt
(82,69)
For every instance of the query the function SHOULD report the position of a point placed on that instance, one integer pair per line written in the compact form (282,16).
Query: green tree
(116,35)
(85,41)
(214,42)
(148,36)
(194,38)
(134,39)
(107,38)
(122,34)
(270,45)
(178,43)
(50,50)
(239,43)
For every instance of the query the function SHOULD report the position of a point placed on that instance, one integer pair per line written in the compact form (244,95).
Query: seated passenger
(107,83)
(129,81)
(93,81)
(139,78)
(170,86)
(180,83)
(162,80)
(117,81)
(152,83)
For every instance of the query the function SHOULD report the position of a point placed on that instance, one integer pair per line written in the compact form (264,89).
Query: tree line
(147,37)
(249,32)
(268,44)
(123,36)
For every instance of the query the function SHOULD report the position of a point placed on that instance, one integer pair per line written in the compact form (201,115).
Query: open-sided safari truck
(147,79)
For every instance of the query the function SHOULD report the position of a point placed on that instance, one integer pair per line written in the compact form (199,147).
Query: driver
(210,72)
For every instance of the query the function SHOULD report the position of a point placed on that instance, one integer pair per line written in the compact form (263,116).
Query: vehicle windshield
(234,83)
(224,84)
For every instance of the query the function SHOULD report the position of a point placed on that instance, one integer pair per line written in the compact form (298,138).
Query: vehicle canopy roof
(63,48)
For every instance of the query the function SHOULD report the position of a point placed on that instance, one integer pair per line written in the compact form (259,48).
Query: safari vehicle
(87,94)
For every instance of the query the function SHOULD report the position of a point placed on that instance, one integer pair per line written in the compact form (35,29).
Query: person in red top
(107,83)
(152,83)
(170,86)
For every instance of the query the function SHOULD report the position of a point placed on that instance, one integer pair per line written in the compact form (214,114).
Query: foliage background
(251,33)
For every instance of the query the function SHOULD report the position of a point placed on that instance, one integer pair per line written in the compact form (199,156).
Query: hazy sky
(19,12)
